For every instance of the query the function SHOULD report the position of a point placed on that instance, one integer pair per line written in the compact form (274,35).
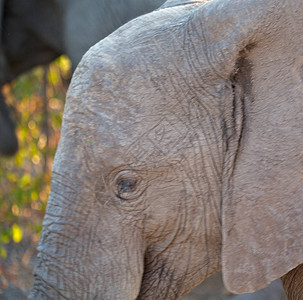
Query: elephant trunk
(80,255)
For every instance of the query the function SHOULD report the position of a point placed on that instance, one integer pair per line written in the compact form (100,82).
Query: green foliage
(37,101)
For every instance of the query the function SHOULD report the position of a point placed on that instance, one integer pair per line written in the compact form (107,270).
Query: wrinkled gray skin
(180,154)
(35,32)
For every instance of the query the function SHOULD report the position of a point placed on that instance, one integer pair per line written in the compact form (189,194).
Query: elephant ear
(262,204)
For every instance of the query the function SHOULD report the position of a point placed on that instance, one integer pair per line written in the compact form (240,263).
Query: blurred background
(36,100)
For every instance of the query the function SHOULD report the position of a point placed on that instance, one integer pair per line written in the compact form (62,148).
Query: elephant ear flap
(262,202)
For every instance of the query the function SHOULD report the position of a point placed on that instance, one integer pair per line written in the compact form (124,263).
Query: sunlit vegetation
(37,101)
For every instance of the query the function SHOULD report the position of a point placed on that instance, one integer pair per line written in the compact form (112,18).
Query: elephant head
(180,153)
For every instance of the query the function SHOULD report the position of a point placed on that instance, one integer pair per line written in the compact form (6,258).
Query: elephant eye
(128,185)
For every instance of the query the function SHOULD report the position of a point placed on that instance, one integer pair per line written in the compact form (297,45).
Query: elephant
(181,155)
(35,32)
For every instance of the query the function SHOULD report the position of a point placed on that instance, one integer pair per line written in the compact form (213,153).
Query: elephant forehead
(144,138)
(126,112)
(126,98)
(140,122)
(167,138)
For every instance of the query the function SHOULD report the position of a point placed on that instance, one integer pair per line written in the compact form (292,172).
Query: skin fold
(179,156)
